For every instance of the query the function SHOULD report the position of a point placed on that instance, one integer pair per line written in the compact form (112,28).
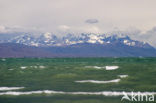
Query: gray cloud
(91,21)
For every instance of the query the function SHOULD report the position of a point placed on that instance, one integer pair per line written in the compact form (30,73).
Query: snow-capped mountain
(46,39)
(83,45)
(49,39)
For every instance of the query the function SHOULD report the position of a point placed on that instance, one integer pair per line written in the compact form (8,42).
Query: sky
(137,18)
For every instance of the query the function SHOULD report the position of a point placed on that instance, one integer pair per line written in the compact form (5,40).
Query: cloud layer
(97,16)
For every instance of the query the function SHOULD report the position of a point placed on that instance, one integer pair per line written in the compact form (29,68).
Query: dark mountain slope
(75,50)
(101,50)
(20,50)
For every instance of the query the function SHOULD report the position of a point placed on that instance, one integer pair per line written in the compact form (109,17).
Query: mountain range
(71,45)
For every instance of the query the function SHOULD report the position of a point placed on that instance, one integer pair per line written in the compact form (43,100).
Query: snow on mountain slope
(49,39)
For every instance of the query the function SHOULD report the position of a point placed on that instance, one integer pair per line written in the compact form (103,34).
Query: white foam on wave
(98,82)
(95,67)
(3,59)
(41,67)
(33,66)
(10,88)
(123,76)
(105,67)
(105,93)
(23,67)
(111,67)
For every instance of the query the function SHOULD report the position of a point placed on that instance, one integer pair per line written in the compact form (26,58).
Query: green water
(60,74)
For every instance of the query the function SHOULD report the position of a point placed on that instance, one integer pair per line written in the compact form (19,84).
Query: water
(54,80)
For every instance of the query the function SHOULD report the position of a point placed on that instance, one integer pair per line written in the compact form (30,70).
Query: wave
(10,88)
(105,93)
(105,67)
(96,81)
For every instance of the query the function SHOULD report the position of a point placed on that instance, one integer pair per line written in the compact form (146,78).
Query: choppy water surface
(74,80)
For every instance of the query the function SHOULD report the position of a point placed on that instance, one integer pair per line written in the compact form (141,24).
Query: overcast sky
(97,16)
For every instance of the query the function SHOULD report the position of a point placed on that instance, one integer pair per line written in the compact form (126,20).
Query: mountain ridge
(84,45)
(49,39)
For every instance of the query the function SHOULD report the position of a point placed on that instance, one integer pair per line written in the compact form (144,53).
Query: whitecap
(23,67)
(105,67)
(98,82)
(10,88)
(111,67)
(41,67)
(3,59)
(33,66)
(123,76)
(105,93)
(95,67)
